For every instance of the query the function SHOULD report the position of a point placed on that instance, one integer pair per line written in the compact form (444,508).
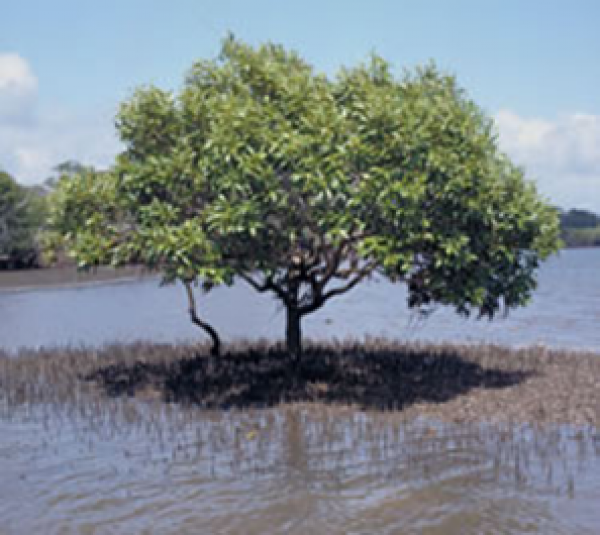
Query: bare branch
(258,287)
(267,285)
(319,299)
(360,275)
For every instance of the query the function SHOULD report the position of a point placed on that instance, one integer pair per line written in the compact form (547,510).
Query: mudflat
(453,383)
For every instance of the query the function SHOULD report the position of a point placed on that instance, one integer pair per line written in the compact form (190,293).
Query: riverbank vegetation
(22,213)
(580,228)
(25,237)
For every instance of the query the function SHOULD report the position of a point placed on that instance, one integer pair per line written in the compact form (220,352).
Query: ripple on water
(292,469)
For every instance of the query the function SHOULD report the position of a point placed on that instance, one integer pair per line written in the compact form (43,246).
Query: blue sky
(533,65)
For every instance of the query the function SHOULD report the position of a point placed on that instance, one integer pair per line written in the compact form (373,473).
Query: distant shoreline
(23,280)
(579,246)
(67,277)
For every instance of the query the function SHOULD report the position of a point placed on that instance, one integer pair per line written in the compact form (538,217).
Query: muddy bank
(446,382)
(31,279)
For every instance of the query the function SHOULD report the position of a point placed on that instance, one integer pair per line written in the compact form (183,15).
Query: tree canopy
(304,185)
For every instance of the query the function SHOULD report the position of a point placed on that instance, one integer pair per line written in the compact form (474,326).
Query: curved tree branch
(216,341)
(319,298)
(360,275)
(267,285)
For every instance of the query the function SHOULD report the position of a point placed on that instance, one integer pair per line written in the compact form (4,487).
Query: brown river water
(128,467)
(88,464)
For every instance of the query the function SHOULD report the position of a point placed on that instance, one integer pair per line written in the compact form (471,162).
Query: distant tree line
(580,228)
(23,218)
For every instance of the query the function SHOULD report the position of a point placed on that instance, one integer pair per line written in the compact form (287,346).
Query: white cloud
(18,89)
(562,155)
(30,152)
(33,140)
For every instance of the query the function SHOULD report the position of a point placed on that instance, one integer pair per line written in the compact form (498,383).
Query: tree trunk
(215,350)
(206,327)
(293,333)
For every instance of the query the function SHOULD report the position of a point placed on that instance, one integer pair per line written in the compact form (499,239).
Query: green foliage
(302,185)
(21,214)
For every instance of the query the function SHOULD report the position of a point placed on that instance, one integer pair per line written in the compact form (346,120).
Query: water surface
(119,465)
(565,312)
(127,468)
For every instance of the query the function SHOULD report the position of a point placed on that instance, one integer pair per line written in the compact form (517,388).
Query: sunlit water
(126,466)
